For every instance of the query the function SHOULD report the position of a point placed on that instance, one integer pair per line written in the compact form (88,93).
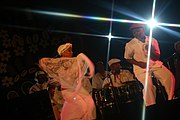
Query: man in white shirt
(117,77)
(100,75)
(122,84)
(97,81)
(136,52)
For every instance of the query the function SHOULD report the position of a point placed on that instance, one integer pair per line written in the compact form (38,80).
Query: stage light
(110,36)
(152,23)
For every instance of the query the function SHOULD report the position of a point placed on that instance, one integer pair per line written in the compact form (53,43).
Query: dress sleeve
(50,66)
(86,65)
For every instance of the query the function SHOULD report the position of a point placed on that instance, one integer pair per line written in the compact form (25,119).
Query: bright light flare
(152,23)
(109,36)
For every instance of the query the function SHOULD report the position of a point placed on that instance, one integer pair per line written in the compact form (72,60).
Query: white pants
(160,73)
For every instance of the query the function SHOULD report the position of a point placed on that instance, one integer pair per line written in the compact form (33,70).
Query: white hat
(114,60)
(63,47)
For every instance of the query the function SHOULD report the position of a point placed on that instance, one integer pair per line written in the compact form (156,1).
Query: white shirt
(98,79)
(134,49)
(120,79)
(87,85)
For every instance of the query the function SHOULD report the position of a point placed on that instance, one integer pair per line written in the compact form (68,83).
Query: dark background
(39,35)
(14,14)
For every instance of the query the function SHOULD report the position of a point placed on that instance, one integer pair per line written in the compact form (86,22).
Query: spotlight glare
(152,23)
(110,36)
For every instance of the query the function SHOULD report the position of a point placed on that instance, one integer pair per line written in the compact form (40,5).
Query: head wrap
(114,60)
(176,44)
(63,47)
(136,25)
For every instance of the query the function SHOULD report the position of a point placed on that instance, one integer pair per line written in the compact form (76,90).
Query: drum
(129,92)
(104,97)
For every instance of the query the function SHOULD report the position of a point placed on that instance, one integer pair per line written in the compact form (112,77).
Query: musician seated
(98,78)
(177,66)
(118,77)
(173,64)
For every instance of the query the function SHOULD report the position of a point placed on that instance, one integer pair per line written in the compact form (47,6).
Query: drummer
(118,77)
(176,58)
